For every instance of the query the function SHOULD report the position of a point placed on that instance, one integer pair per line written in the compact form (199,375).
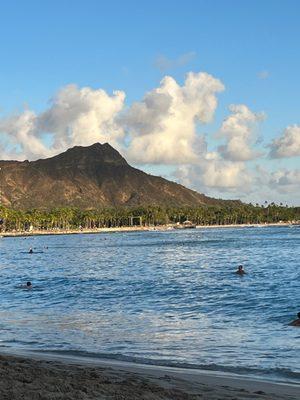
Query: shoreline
(47,376)
(131,229)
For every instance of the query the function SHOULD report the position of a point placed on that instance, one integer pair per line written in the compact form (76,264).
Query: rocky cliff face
(89,177)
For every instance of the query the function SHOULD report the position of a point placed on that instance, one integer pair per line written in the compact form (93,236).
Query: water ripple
(161,297)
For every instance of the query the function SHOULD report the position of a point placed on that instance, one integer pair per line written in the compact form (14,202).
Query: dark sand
(70,378)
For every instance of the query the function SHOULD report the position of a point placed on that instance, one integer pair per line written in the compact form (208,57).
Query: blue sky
(252,47)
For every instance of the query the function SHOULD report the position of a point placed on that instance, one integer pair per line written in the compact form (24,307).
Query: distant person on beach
(240,270)
(296,322)
(30,250)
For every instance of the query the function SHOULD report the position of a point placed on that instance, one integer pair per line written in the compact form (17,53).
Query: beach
(136,228)
(48,377)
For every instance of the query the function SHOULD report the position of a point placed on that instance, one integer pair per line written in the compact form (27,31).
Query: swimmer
(240,270)
(27,286)
(296,322)
(30,250)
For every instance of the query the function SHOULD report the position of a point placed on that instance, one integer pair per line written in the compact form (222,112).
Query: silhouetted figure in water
(27,286)
(296,322)
(240,270)
(30,251)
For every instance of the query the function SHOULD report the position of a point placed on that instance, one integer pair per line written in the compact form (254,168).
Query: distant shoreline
(131,229)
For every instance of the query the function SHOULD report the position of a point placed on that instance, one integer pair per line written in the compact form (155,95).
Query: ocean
(160,297)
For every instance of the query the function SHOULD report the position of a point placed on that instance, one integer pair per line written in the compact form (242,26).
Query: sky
(205,93)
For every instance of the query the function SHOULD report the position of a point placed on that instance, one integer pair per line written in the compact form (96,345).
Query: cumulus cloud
(164,63)
(285,177)
(162,127)
(287,145)
(226,179)
(75,117)
(277,185)
(20,131)
(226,175)
(83,116)
(240,133)
(213,173)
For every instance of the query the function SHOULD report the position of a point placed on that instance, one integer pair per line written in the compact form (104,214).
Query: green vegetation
(74,218)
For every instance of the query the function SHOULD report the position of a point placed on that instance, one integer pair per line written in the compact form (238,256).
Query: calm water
(163,297)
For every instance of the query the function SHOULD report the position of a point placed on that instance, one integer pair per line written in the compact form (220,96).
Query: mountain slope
(89,177)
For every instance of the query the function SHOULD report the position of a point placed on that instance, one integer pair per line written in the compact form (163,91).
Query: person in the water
(240,270)
(30,250)
(27,286)
(296,322)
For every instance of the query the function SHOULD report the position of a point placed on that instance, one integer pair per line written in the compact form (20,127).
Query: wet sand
(54,378)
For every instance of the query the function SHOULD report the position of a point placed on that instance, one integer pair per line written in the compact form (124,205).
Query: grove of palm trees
(73,218)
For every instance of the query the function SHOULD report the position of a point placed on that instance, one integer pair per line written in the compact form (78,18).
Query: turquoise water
(170,298)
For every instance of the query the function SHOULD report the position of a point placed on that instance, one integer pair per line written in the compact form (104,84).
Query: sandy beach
(127,229)
(51,377)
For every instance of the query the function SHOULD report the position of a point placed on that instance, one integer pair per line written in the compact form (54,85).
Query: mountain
(89,177)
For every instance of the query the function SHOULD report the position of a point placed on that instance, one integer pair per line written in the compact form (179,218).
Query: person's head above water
(240,270)
(296,322)
(28,284)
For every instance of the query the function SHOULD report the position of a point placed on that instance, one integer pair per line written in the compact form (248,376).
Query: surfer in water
(240,270)
(30,250)
(296,322)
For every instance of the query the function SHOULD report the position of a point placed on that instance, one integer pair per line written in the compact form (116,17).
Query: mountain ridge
(89,177)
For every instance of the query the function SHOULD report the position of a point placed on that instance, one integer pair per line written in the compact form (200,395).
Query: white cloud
(282,185)
(164,63)
(21,132)
(285,177)
(226,175)
(226,179)
(287,145)
(76,117)
(240,133)
(83,116)
(162,127)
(213,173)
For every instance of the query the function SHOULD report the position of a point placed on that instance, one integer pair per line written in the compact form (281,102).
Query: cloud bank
(166,127)
(75,117)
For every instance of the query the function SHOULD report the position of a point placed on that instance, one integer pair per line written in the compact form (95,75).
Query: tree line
(74,218)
